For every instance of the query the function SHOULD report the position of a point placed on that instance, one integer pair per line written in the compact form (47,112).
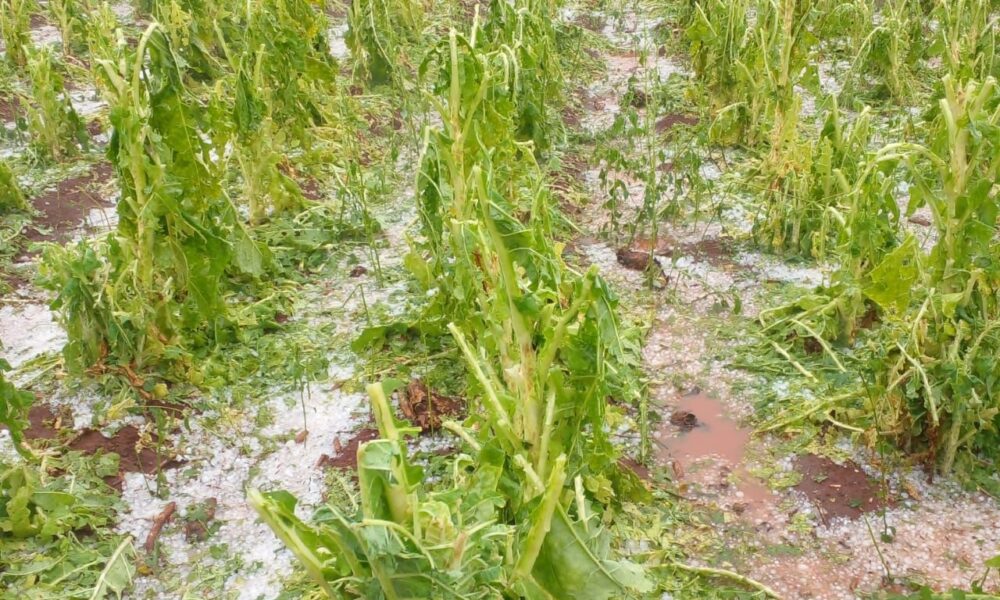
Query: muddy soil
(839,490)
(707,451)
(135,455)
(10,108)
(64,209)
(345,456)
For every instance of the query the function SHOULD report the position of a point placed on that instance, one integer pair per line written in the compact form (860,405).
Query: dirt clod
(426,408)
(683,419)
(668,122)
(635,260)
(198,520)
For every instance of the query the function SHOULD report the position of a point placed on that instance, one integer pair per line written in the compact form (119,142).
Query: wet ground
(827,519)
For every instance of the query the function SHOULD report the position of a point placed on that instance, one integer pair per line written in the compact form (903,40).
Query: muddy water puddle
(707,450)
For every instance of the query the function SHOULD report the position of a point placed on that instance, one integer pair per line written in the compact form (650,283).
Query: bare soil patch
(838,490)
(43,423)
(668,122)
(345,456)
(62,210)
(134,455)
(10,107)
(715,251)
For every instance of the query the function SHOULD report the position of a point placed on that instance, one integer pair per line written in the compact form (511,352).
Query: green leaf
(573,564)
(117,574)
(891,282)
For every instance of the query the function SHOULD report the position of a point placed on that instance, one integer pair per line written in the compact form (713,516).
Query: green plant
(490,272)
(936,375)
(15,26)
(891,51)
(14,405)
(56,530)
(967,38)
(407,540)
(11,195)
(543,350)
(750,74)
(256,142)
(847,22)
(68,16)
(284,51)
(102,35)
(280,101)
(57,130)
(192,27)
(928,373)
(819,190)
(145,297)
(529,27)
(378,31)
(718,32)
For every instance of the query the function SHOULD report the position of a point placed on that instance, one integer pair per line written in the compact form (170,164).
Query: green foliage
(544,351)
(935,372)
(529,27)
(890,51)
(153,291)
(750,74)
(11,195)
(718,31)
(378,33)
(930,378)
(57,131)
(967,38)
(285,52)
(828,190)
(501,277)
(408,540)
(15,27)
(14,406)
(193,29)
(69,16)
(102,35)
(257,145)
(43,518)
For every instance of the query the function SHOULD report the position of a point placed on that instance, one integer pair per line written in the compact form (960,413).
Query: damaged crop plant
(521,511)
(911,330)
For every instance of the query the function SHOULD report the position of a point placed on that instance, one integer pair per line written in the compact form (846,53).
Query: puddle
(709,449)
